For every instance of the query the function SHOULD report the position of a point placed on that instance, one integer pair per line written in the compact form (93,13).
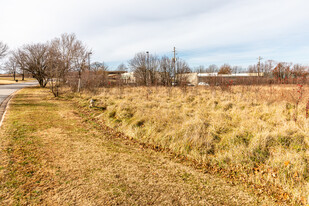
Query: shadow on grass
(42,104)
(21,96)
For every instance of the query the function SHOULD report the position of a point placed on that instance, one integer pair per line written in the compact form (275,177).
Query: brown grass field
(54,152)
(257,134)
(10,80)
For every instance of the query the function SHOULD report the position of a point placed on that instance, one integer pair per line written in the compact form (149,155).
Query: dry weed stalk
(297,95)
(307,109)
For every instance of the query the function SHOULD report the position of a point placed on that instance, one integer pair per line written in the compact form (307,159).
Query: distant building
(215,78)
(197,78)
(114,76)
(128,78)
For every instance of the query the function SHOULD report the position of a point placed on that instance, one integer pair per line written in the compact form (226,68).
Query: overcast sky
(204,32)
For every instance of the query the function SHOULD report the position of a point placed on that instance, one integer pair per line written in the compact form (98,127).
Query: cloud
(203,31)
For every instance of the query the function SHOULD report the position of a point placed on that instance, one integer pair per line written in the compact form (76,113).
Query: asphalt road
(7,90)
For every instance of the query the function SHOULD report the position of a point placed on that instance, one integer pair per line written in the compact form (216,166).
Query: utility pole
(174,64)
(259,65)
(89,60)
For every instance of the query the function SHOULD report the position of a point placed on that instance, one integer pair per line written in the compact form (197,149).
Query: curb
(4,104)
(3,107)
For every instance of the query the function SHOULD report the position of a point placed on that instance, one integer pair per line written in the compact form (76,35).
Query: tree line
(267,68)
(66,60)
(49,62)
(151,70)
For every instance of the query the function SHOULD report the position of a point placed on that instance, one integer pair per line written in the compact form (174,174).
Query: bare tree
(122,67)
(236,69)
(299,70)
(252,69)
(52,61)
(3,50)
(182,66)
(166,71)
(67,55)
(282,71)
(225,69)
(55,68)
(11,66)
(98,66)
(35,59)
(20,63)
(73,53)
(212,68)
(153,65)
(96,77)
(181,72)
(139,67)
(145,68)
(200,69)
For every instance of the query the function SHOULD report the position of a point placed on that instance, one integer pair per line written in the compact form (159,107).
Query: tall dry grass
(249,128)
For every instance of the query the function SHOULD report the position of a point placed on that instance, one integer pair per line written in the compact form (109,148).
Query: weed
(112,114)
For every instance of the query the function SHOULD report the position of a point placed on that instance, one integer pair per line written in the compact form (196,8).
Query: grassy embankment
(249,131)
(53,154)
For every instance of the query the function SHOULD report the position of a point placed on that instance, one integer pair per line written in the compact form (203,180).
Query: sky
(204,32)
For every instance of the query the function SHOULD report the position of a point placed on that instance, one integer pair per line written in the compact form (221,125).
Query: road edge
(5,103)
(4,106)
